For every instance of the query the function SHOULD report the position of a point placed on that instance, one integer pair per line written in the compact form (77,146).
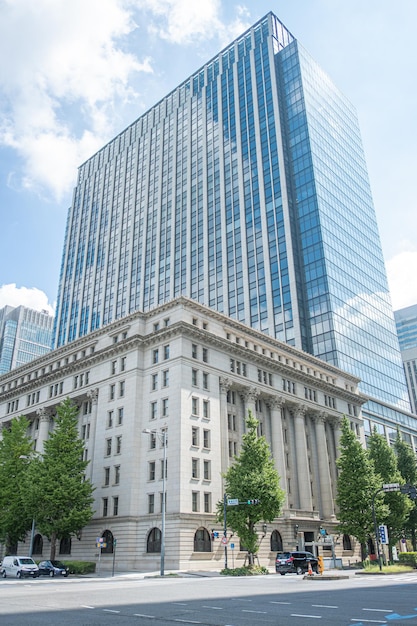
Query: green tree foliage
(15,454)
(252,476)
(356,486)
(406,461)
(398,505)
(62,497)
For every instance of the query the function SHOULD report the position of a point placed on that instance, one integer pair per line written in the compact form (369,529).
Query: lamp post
(162,436)
(376,527)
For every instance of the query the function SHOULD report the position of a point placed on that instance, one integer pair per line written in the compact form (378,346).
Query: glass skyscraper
(25,334)
(245,189)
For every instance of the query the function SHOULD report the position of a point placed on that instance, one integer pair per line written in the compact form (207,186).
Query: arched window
(347,543)
(65,545)
(108,540)
(37,544)
(154,541)
(202,541)
(276,541)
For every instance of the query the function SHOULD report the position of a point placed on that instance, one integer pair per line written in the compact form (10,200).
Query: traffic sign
(383,534)
(233,501)
(391,487)
(224,541)
(232,546)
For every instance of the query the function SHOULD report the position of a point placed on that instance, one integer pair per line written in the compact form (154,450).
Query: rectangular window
(194,468)
(166,352)
(109,419)
(194,406)
(120,412)
(151,503)
(116,474)
(152,441)
(123,364)
(205,380)
(205,355)
(206,409)
(194,501)
(113,367)
(164,407)
(194,377)
(154,383)
(152,470)
(112,392)
(207,470)
(162,468)
(121,388)
(165,378)
(194,436)
(118,444)
(154,410)
(106,476)
(116,505)
(155,356)
(105,507)
(194,351)
(108,447)
(206,439)
(207,503)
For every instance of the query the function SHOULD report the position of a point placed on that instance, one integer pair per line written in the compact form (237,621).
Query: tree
(398,505)
(15,456)
(252,477)
(62,496)
(356,486)
(406,461)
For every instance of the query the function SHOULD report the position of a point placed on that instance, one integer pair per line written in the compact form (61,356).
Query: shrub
(408,558)
(255,570)
(81,567)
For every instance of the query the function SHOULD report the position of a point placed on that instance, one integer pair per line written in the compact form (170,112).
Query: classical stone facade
(194,373)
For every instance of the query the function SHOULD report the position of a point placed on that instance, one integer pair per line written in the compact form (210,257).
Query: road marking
(181,603)
(86,606)
(143,615)
(325,606)
(368,621)
(186,621)
(276,602)
(309,616)
(110,611)
(381,610)
(216,608)
(253,611)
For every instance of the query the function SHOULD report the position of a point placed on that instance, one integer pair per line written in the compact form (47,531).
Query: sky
(75,74)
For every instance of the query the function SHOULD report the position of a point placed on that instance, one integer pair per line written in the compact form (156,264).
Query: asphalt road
(221,601)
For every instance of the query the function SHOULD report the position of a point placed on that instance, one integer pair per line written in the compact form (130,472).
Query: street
(212,601)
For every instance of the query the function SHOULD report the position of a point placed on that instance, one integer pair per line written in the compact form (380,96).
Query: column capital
(225,383)
(250,394)
(335,421)
(43,414)
(275,402)
(298,410)
(320,417)
(92,394)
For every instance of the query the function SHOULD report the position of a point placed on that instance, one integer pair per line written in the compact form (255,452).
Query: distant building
(406,321)
(25,334)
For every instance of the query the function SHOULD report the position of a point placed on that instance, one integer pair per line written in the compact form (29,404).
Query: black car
(53,568)
(296,562)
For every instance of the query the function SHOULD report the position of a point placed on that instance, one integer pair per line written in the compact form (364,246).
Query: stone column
(225,385)
(326,496)
(277,439)
(92,395)
(43,433)
(250,395)
(301,458)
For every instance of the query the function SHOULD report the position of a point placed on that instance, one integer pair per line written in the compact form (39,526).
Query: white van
(19,567)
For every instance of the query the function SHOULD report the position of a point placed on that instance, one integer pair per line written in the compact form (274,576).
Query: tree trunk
(53,547)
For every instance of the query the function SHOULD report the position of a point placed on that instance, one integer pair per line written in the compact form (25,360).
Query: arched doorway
(276,541)
(109,541)
(202,541)
(153,543)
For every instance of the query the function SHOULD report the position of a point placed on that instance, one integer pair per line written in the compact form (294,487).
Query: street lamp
(162,436)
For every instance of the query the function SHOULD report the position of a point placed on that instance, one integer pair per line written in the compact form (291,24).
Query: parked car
(53,568)
(19,567)
(295,562)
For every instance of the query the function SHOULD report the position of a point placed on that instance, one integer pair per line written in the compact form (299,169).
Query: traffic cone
(310,569)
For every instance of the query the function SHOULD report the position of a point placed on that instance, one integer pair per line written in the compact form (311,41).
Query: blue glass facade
(25,334)
(245,189)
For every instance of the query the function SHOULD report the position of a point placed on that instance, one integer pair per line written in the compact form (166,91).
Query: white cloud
(30,297)
(402,279)
(184,21)
(63,75)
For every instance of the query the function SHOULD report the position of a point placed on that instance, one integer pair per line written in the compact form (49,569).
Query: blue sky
(79,72)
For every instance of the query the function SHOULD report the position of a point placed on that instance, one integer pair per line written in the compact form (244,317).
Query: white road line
(110,611)
(86,606)
(253,611)
(381,610)
(325,606)
(143,615)
(368,621)
(276,602)
(215,608)
(309,616)
(180,603)
(186,621)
